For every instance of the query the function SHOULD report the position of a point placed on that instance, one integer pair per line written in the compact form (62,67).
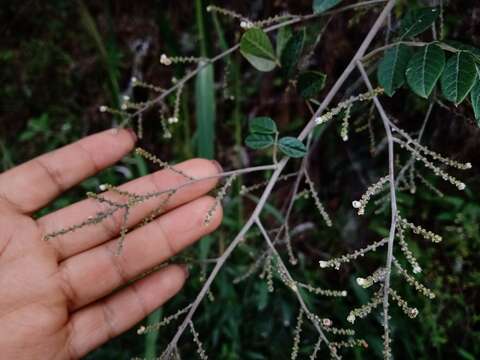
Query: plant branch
(281,165)
(393,204)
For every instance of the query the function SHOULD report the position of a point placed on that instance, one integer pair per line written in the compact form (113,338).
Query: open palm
(64,297)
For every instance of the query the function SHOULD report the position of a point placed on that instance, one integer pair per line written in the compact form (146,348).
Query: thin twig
(393,204)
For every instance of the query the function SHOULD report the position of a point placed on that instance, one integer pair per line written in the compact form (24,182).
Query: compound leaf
(417,21)
(259,141)
(310,83)
(458,77)
(292,147)
(292,52)
(391,70)
(263,125)
(424,69)
(256,47)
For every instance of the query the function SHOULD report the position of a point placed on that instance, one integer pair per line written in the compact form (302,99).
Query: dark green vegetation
(60,60)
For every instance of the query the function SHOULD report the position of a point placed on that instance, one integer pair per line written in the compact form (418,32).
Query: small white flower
(351,318)
(417,269)
(468,165)
(361,281)
(141,330)
(126,98)
(102,108)
(323,264)
(327,322)
(172,120)
(461,186)
(103,187)
(165,60)
(134,80)
(356,204)
(413,313)
(124,107)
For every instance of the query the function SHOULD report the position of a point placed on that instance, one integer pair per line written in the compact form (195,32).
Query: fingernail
(187,271)
(218,166)
(132,134)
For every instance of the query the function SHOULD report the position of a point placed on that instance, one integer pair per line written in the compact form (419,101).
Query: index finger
(32,185)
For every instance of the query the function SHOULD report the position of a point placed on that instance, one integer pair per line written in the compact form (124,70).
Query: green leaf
(283,35)
(310,83)
(262,125)
(292,147)
(391,70)
(292,52)
(256,47)
(417,21)
(458,77)
(259,141)
(475,98)
(424,69)
(320,6)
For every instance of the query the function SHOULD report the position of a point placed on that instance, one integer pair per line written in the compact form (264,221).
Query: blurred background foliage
(60,60)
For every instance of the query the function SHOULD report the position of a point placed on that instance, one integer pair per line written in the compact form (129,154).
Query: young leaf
(391,70)
(292,52)
(262,125)
(283,35)
(256,47)
(310,83)
(475,98)
(424,69)
(417,21)
(320,6)
(458,77)
(292,147)
(259,141)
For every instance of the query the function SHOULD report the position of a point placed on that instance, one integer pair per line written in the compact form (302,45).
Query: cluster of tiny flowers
(436,170)
(268,273)
(154,327)
(413,282)
(318,203)
(291,256)
(200,350)
(225,12)
(316,349)
(218,199)
(366,309)
(433,154)
(162,164)
(426,234)
(406,251)
(335,263)
(286,279)
(409,311)
(320,291)
(345,123)
(350,343)
(167,61)
(166,132)
(297,333)
(377,276)
(107,109)
(347,103)
(138,83)
(371,191)
(247,189)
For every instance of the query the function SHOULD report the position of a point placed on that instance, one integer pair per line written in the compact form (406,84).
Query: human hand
(57,296)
